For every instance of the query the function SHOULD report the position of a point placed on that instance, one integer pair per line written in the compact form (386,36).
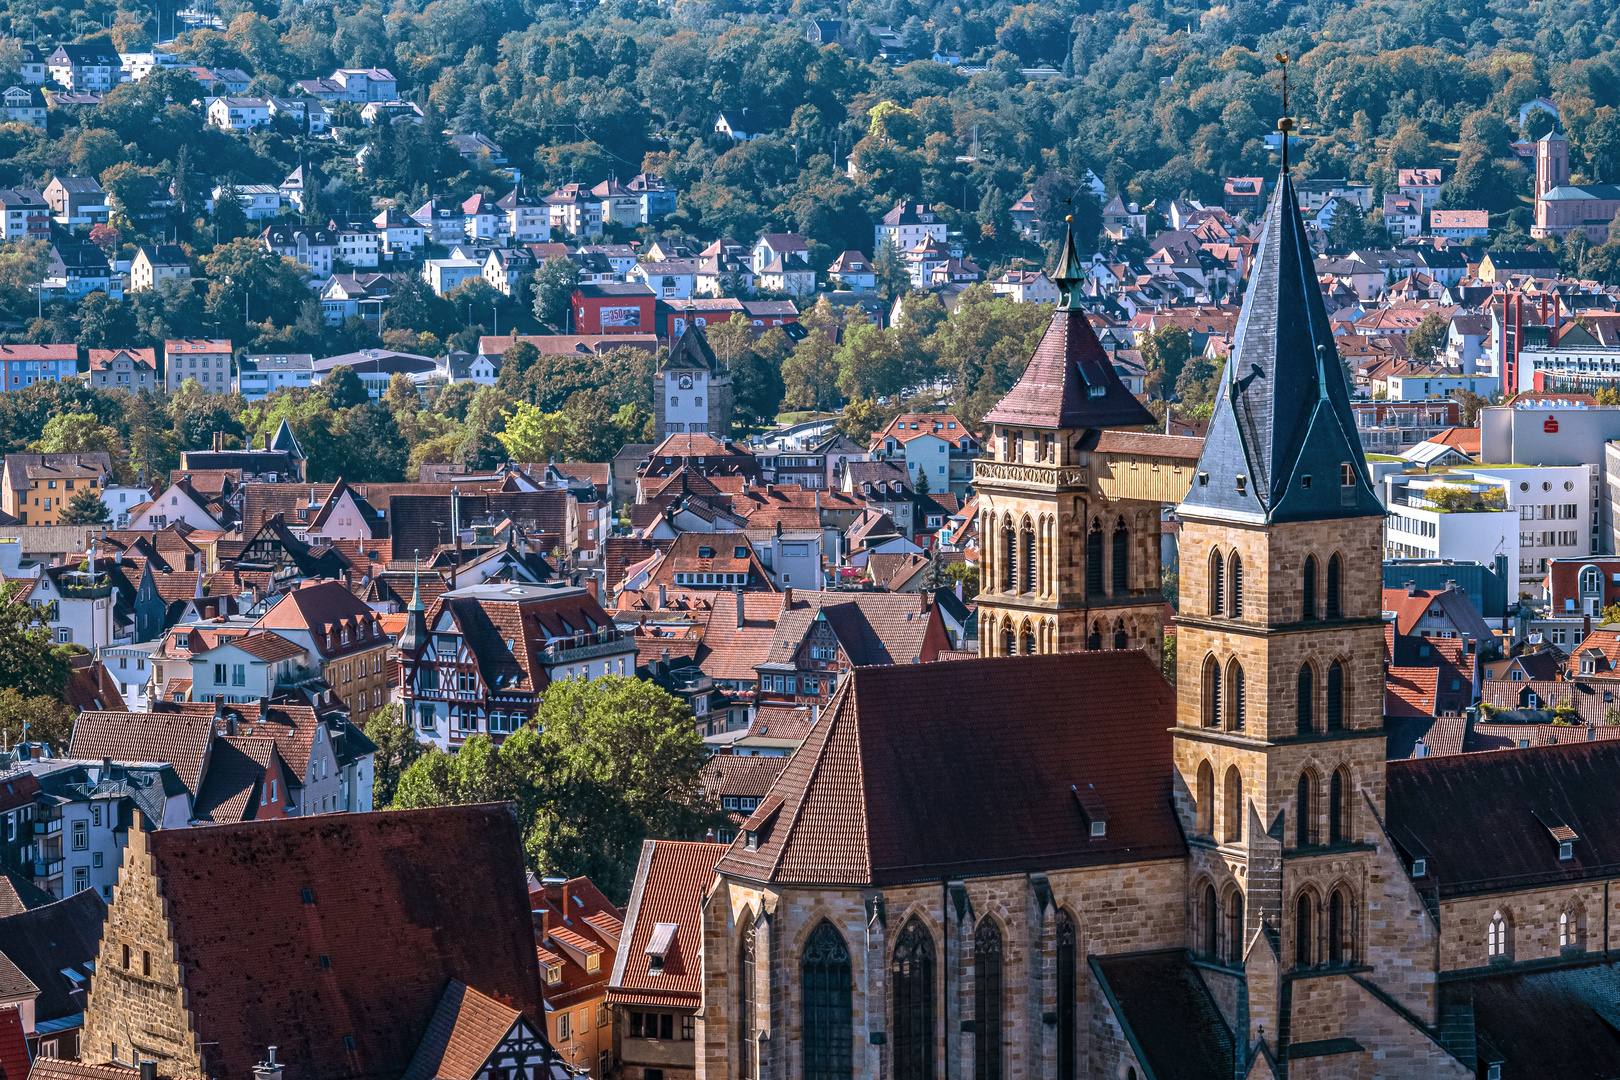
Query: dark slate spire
(1070,381)
(691,350)
(1283,434)
(414,636)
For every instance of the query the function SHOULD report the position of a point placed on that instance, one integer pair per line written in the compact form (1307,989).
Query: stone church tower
(692,393)
(1279,740)
(1065,566)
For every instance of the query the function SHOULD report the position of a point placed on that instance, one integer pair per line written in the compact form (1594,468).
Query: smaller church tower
(1552,162)
(1065,567)
(691,389)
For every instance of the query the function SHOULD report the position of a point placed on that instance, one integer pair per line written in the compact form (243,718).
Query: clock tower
(691,389)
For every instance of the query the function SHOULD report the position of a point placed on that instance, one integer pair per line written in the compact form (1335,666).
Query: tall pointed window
(1339,949)
(1032,568)
(1305,810)
(1234,926)
(1236,701)
(912,978)
(1009,550)
(1209,943)
(1094,640)
(1232,829)
(1308,589)
(1335,602)
(745,1000)
(1206,800)
(1303,700)
(1068,1062)
(987,1001)
(1335,696)
(829,1033)
(1028,639)
(1212,692)
(1009,646)
(1121,639)
(1497,941)
(1339,806)
(1094,559)
(1304,929)
(1120,566)
(1235,599)
(1217,583)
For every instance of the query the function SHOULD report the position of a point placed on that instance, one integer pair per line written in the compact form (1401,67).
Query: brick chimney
(787,598)
(740,610)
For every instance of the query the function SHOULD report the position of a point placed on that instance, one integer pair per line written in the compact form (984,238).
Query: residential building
(238,113)
(657,198)
(452,955)
(399,235)
(771,247)
(613,309)
(359,85)
(347,296)
(76,202)
(657,986)
(440,224)
(258,201)
(620,205)
(32,67)
(26,214)
(1422,186)
(508,268)
(1387,427)
(304,113)
(1403,216)
(574,211)
(1420,527)
(906,226)
(445,274)
(306,247)
(577,938)
(789,274)
(259,376)
(479,149)
(23,105)
(852,270)
(93,68)
(457,680)
(937,446)
(675,279)
(528,221)
(1244,194)
(343,638)
(30,479)
(76,270)
(354,244)
(480,217)
(157,262)
(1025,287)
(124,369)
(377,368)
(1460,224)
(53,946)
(204,359)
(24,365)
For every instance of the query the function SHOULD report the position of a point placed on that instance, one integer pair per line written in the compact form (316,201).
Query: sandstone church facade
(1049,862)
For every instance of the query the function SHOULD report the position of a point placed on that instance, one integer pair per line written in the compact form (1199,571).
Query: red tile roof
(14,1059)
(890,787)
(465,1030)
(182,741)
(1410,691)
(396,919)
(670,882)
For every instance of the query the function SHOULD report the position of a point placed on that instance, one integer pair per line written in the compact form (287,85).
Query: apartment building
(208,360)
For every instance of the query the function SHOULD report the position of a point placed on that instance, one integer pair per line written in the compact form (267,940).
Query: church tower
(1065,566)
(1279,741)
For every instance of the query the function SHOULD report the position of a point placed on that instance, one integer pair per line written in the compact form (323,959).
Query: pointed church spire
(416,584)
(1070,274)
(1282,444)
(414,636)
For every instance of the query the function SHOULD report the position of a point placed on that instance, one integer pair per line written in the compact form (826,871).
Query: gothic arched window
(1339,806)
(1340,948)
(1009,560)
(1027,639)
(1031,573)
(1497,940)
(828,1020)
(1209,943)
(1009,645)
(1335,696)
(1307,598)
(1206,800)
(1232,829)
(1120,566)
(1235,599)
(1121,639)
(987,1001)
(1094,640)
(1217,583)
(745,999)
(1212,692)
(1304,929)
(1335,602)
(912,979)
(1094,559)
(1068,1063)
(1303,702)
(1305,811)
(1234,926)
(1236,701)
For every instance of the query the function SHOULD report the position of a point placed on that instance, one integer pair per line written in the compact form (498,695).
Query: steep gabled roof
(181,740)
(48,942)
(465,1030)
(670,882)
(892,786)
(1282,413)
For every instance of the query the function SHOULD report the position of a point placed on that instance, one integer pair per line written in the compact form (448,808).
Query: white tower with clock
(691,390)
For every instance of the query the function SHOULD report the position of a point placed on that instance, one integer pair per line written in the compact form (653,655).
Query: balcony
(47,868)
(577,650)
(52,827)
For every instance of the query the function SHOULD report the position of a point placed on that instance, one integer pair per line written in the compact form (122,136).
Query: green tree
(30,663)
(343,387)
(809,376)
(1166,350)
(554,285)
(86,508)
(869,363)
(76,433)
(397,749)
(607,764)
(534,435)
(38,718)
(1428,338)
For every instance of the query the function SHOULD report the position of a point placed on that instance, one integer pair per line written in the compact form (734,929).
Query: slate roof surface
(670,881)
(1557,1024)
(396,920)
(874,628)
(890,788)
(1160,999)
(1283,408)
(234,785)
(1475,815)
(41,942)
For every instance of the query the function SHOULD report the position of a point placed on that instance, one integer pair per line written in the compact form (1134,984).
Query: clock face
(686,382)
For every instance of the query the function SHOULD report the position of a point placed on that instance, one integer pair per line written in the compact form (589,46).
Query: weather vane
(1284,125)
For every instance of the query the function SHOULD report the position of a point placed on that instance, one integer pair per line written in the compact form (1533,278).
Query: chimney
(708,838)
(455,526)
(590,587)
(663,597)
(264,1070)
(741,615)
(1411,588)
(787,598)
(148,1070)
(958,590)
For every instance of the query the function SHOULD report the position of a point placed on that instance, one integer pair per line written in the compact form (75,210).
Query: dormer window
(1566,850)
(1420,868)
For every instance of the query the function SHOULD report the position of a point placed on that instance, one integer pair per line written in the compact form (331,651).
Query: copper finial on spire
(1070,271)
(1284,125)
